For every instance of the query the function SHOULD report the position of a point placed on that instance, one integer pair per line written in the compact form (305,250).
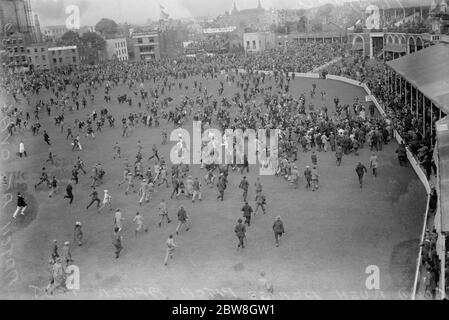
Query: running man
(106,201)
(163,212)
(138,219)
(183,219)
(170,249)
(361,170)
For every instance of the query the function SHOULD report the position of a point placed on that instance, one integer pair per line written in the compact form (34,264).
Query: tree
(70,38)
(106,27)
(93,40)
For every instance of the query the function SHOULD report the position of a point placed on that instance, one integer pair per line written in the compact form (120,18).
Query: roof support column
(417,100)
(424,115)
(431,122)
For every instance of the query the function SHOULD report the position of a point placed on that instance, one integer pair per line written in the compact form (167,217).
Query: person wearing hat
(295,176)
(43,178)
(339,155)
(221,186)
(163,212)
(69,193)
(244,184)
(183,219)
(78,234)
(170,249)
(54,250)
(21,206)
(196,189)
(117,242)
(308,176)
(106,201)
(240,231)
(144,192)
(373,163)
(361,170)
(315,176)
(278,228)
(258,186)
(247,212)
(138,219)
(94,198)
(118,219)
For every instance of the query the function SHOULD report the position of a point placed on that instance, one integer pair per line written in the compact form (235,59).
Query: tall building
(62,57)
(146,45)
(38,57)
(255,19)
(117,49)
(37,29)
(53,33)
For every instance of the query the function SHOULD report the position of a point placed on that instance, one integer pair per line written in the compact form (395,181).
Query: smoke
(55,9)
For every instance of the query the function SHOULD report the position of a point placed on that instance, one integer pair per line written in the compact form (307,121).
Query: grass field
(332,235)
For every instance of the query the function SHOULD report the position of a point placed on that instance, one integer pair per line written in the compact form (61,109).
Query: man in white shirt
(170,249)
(373,163)
(22,149)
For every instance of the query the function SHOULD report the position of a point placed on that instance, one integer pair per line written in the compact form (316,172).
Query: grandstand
(421,81)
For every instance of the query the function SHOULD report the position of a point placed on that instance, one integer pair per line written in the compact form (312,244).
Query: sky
(52,12)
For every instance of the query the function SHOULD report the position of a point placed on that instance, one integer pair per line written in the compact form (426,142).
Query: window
(73,50)
(43,58)
(139,40)
(247,43)
(146,48)
(22,49)
(15,49)
(28,50)
(24,58)
(60,60)
(42,49)
(151,40)
(54,60)
(36,58)
(53,53)
(35,49)
(74,59)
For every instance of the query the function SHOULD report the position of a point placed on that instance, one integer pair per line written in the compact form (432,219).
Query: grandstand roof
(402,4)
(443,165)
(428,71)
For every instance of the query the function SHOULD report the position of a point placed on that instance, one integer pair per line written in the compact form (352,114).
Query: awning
(442,127)
(395,48)
(428,71)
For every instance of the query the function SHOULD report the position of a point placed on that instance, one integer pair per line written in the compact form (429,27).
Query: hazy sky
(138,11)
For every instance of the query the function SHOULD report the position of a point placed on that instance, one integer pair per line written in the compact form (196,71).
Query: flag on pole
(164,15)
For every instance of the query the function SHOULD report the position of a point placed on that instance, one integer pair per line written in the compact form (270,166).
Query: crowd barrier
(415,165)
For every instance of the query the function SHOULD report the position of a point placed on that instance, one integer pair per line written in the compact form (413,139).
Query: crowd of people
(410,128)
(261,101)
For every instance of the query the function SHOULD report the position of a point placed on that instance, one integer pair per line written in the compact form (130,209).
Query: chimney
(37,27)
